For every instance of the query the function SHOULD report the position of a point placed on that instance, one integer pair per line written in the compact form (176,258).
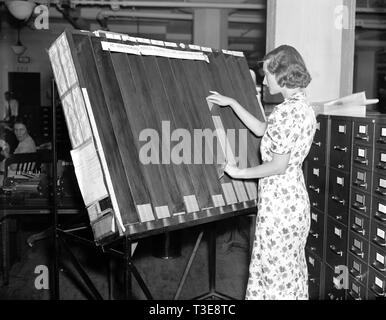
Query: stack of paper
(352,105)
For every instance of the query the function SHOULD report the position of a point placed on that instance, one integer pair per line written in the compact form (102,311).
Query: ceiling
(172,20)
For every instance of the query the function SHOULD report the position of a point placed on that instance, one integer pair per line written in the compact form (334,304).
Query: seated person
(26,143)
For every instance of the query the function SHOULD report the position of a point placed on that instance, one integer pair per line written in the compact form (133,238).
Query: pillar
(210,28)
(323,31)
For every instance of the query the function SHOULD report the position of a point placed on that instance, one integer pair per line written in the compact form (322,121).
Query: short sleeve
(283,132)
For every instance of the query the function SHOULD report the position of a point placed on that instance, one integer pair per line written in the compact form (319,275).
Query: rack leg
(4,250)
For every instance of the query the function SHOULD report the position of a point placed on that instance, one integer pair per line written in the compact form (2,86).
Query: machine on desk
(346,179)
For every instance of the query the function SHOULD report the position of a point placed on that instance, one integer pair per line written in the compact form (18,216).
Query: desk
(13,207)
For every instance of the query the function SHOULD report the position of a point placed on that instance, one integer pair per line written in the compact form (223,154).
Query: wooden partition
(147,147)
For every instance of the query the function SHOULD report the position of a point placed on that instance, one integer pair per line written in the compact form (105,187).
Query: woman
(278,268)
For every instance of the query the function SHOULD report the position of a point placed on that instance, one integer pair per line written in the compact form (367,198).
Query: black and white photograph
(193,154)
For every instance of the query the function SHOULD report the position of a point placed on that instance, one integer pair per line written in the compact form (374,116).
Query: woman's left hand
(231,170)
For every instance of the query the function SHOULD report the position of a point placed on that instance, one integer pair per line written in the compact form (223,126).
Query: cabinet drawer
(378,209)
(316,234)
(377,283)
(316,185)
(336,242)
(314,269)
(340,149)
(360,202)
(378,259)
(331,291)
(357,269)
(363,132)
(359,224)
(318,153)
(361,179)
(378,234)
(379,185)
(362,156)
(380,134)
(380,160)
(355,291)
(358,246)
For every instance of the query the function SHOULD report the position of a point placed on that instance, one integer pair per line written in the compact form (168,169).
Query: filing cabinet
(352,172)
(314,270)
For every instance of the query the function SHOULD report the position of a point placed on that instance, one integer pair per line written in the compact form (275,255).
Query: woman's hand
(219,99)
(231,170)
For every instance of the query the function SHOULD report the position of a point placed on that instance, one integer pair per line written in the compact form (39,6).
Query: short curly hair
(288,66)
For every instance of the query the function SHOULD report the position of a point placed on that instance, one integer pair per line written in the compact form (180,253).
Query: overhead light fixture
(18,49)
(20,9)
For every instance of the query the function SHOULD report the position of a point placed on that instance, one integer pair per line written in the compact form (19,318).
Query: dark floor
(162,276)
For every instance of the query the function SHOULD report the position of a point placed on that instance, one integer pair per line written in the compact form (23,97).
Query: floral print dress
(278,269)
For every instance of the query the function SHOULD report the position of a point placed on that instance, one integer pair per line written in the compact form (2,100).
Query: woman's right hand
(219,99)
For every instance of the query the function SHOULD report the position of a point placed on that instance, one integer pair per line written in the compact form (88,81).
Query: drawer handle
(377,292)
(336,251)
(381,140)
(355,205)
(377,266)
(343,149)
(316,143)
(381,166)
(340,166)
(360,137)
(380,216)
(357,252)
(313,188)
(365,162)
(313,248)
(316,159)
(358,230)
(353,295)
(379,191)
(379,242)
(336,199)
(357,275)
(360,184)
(314,234)
(314,204)
(313,280)
(339,217)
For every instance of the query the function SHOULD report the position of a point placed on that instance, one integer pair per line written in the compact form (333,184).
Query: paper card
(314,217)
(363,129)
(358,221)
(359,198)
(143,40)
(361,153)
(361,176)
(171,44)
(378,282)
(206,49)
(191,203)
(383,157)
(356,266)
(357,244)
(381,208)
(382,183)
(89,173)
(381,233)
(340,181)
(311,261)
(157,42)
(380,258)
(342,129)
(315,172)
(194,47)
(120,47)
(383,132)
(338,232)
(66,60)
(355,288)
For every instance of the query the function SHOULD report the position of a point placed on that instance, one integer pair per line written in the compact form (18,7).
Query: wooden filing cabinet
(353,206)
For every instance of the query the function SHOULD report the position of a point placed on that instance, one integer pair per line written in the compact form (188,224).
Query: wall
(37,42)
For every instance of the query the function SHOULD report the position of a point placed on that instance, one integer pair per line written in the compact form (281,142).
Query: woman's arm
(276,166)
(251,122)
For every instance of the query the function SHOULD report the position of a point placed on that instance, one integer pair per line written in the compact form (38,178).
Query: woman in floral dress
(278,268)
